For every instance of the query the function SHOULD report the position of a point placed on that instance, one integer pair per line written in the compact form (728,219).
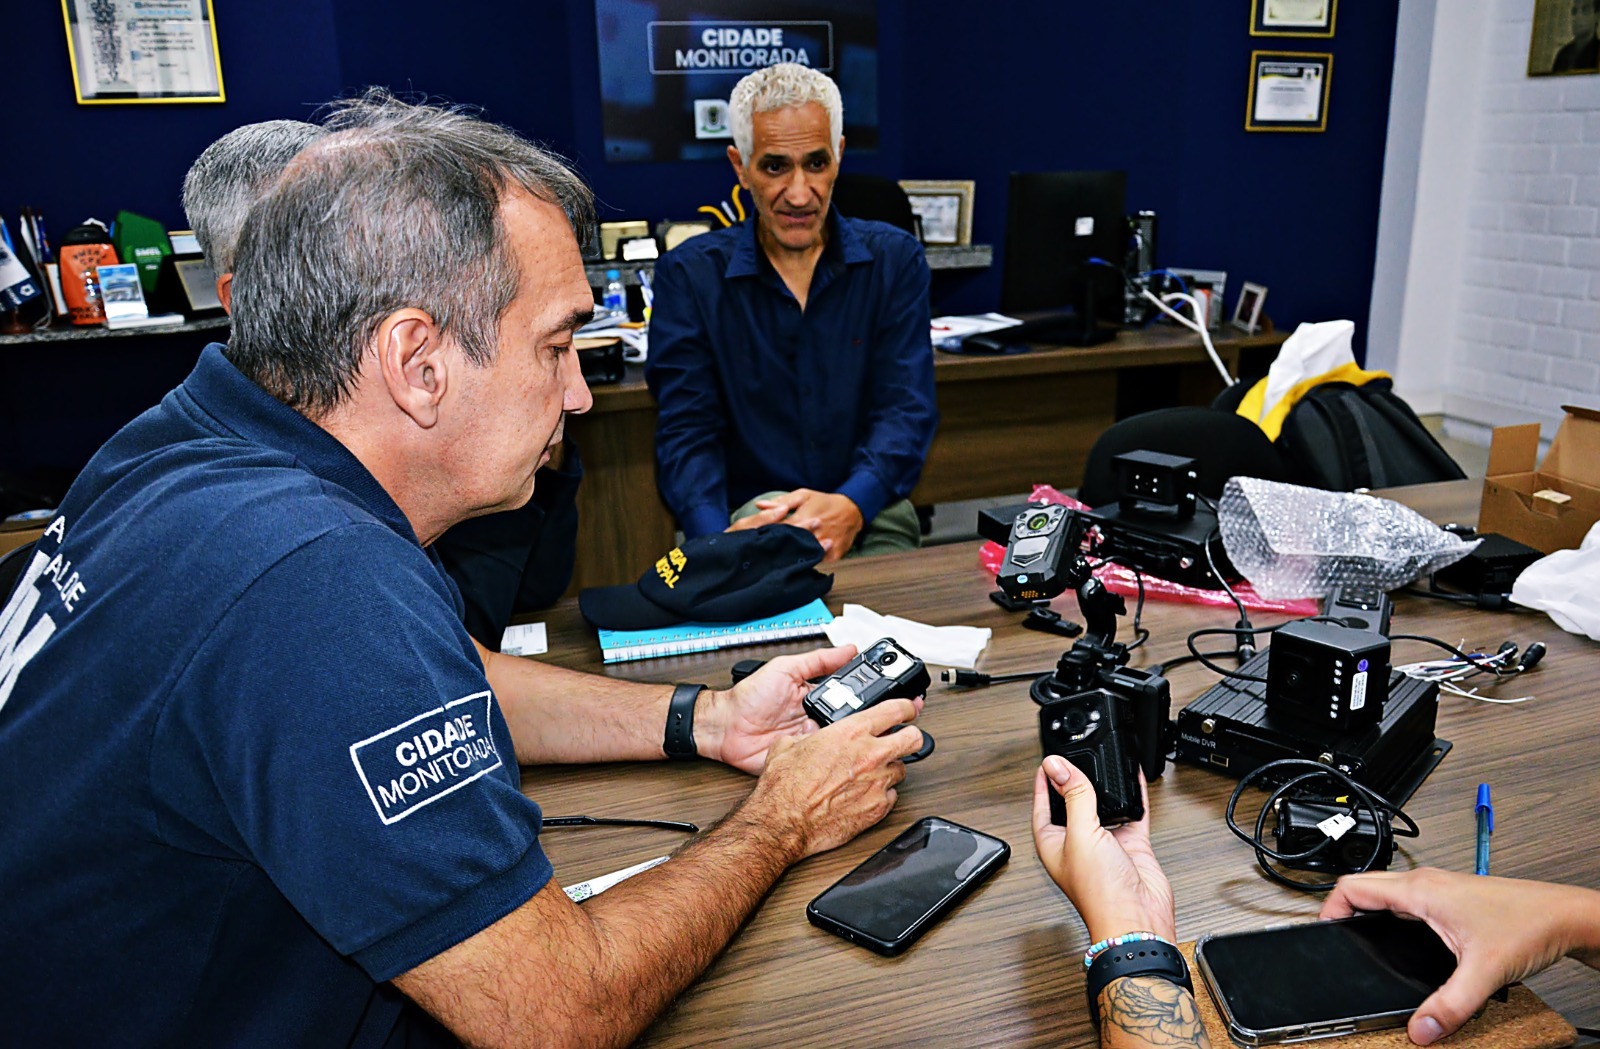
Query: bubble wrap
(1303,542)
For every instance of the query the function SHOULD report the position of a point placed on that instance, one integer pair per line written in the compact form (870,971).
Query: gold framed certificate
(132,51)
(1288,91)
(1292,17)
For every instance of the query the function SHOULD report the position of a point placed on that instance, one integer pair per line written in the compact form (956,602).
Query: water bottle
(615,299)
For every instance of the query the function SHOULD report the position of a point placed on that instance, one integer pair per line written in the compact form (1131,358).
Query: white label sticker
(1083,226)
(1336,826)
(1358,691)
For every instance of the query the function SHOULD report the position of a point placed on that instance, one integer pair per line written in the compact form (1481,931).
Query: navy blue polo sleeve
(691,420)
(336,730)
(903,412)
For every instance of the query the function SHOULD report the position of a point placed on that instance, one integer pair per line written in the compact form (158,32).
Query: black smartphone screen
(1320,972)
(888,900)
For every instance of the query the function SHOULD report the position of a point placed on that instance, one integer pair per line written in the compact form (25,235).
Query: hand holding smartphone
(1323,979)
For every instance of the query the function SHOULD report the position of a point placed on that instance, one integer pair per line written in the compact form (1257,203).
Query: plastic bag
(1566,586)
(1122,580)
(1291,541)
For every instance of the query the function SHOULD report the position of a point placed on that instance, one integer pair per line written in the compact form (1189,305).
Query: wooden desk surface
(1003,969)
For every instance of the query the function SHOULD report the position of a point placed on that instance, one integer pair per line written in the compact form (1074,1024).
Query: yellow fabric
(1271,420)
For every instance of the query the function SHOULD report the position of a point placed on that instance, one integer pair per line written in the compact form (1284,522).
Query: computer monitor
(1056,222)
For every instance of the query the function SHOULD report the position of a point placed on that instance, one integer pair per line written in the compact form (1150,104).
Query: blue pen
(1484,810)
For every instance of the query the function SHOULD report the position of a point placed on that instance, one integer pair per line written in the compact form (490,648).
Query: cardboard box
(1523,498)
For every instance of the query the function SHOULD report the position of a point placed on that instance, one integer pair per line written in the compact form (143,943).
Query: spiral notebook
(621,646)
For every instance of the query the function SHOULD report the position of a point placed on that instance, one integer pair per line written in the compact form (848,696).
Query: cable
(1204,658)
(603,821)
(1244,651)
(1364,800)
(978,679)
(1199,328)
(1178,661)
(1483,664)
(1140,634)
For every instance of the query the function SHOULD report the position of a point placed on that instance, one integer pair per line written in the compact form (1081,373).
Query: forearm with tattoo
(1138,1011)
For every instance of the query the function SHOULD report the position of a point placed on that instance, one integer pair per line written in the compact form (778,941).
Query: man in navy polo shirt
(260,787)
(789,355)
(516,561)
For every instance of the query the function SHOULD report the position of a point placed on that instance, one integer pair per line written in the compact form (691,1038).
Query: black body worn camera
(1034,568)
(1110,732)
(883,671)
(1107,719)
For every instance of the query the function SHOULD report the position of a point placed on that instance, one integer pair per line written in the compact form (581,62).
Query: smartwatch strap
(1144,958)
(679,741)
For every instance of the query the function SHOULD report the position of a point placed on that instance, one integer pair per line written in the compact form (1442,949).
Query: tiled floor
(958,522)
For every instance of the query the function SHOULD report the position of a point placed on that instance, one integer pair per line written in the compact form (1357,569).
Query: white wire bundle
(1199,328)
(1447,671)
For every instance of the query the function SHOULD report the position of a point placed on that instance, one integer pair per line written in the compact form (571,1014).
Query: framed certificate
(1292,17)
(126,51)
(944,209)
(1288,91)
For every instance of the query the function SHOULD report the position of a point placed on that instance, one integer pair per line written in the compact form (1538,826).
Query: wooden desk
(1006,424)
(1004,968)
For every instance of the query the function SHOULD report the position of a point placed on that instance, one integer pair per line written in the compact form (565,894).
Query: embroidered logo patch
(420,761)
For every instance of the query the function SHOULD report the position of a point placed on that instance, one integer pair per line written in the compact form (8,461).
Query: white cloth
(944,646)
(1312,350)
(1566,586)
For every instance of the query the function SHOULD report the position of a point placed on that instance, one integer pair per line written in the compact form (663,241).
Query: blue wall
(1155,88)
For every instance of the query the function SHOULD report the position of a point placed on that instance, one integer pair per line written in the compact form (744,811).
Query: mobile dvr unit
(1229,729)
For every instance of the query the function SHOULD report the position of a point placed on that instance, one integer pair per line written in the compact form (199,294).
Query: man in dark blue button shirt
(789,355)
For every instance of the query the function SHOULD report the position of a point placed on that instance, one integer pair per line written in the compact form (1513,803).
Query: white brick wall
(1526,337)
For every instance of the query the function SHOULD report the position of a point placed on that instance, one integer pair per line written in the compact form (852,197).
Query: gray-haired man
(303,818)
(516,561)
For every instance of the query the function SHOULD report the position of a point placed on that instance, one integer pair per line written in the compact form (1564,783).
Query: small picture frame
(1565,40)
(943,208)
(1288,91)
(1247,311)
(1292,17)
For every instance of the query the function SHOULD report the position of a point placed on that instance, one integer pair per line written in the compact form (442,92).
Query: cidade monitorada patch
(419,761)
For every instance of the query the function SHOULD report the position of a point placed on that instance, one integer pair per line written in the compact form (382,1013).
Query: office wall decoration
(1247,311)
(668,66)
(143,51)
(1565,39)
(1288,91)
(1292,17)
(943,209)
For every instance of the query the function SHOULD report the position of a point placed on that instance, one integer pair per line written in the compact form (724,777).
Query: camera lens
(1038,521)
(885,659)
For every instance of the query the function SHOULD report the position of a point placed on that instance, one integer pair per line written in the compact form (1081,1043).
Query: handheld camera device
(883,671)
(1107,719)
(1034,568)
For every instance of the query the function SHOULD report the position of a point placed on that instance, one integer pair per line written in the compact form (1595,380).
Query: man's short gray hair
(398,206)
(785,84)
(230,175)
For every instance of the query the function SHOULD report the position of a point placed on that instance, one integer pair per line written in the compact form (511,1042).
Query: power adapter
(1351,838)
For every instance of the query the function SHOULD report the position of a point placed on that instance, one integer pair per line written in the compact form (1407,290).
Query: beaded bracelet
(1117,941)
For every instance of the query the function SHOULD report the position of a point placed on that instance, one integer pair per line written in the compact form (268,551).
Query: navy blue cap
(725,577)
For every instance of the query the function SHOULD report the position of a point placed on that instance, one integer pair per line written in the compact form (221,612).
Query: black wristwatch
(679,742)
(1143,958)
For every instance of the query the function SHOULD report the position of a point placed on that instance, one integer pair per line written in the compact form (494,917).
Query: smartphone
(1324,978)
(906,886)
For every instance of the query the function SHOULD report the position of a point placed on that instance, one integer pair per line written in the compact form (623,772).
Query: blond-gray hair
(775,87)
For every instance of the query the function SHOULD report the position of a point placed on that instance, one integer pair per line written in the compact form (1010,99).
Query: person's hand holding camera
(821,790)
(739,726)
(1501,930)
(1111,876)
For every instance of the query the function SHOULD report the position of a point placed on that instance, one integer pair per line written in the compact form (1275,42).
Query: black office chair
(1224,444)
(874,197)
